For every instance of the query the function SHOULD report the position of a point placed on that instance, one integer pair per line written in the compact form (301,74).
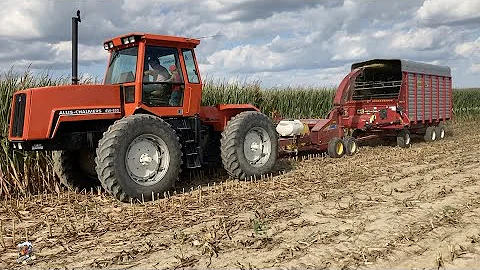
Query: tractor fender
(218,116)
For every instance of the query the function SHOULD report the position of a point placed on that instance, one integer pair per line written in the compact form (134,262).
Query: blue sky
(278,42)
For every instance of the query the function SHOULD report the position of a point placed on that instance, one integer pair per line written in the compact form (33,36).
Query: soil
(385,207)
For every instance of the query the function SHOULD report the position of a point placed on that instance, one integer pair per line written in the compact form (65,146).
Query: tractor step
(191,152)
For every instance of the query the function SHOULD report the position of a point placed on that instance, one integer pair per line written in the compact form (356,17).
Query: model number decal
(89,111)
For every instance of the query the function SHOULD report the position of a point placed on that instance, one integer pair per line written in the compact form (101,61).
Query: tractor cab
(157,73)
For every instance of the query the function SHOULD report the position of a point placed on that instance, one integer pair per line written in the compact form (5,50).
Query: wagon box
(423,91)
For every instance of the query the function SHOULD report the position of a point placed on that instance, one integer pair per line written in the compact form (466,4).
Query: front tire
(76,169)
(137,156)
(249,145)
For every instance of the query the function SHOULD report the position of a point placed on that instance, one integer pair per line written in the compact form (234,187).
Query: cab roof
(189,42)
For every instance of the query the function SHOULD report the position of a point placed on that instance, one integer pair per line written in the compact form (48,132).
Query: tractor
(136,132)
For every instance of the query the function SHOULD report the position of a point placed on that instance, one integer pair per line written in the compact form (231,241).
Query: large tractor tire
(249,145)
(76,169)
(137,156)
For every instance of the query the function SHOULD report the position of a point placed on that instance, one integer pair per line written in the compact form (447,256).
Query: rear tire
(336,147)
(76,169)
(403,138)
(430,134)
(137,156)
(440,130)
(351,146)
(249,145)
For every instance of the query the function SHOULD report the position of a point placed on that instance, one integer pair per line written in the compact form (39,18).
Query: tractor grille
(18,115)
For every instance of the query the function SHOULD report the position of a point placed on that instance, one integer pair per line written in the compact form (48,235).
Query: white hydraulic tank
(287,128)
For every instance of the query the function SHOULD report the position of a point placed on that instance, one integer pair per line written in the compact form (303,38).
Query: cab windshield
(122,65)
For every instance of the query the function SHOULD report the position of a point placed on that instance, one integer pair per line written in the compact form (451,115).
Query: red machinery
(378,97)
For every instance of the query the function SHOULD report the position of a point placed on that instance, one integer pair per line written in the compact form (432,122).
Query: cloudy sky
(278,42)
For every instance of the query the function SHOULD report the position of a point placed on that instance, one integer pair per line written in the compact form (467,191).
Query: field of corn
(22,173)
(382,208)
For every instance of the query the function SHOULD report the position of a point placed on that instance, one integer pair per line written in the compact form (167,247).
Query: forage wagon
(380,97)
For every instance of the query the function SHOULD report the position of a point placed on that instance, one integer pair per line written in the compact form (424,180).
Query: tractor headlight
(110,44)
(128,40)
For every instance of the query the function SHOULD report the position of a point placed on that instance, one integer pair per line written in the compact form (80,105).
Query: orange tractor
(135,132)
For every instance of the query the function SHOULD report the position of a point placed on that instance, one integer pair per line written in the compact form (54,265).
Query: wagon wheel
(336,147)
(403,138)
(430,134)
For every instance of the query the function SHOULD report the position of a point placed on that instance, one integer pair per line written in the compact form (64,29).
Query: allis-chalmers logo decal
(89,111)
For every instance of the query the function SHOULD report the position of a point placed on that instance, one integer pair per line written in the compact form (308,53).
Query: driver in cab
(156,94)
(157,71)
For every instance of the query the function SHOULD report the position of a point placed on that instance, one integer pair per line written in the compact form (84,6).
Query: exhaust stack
(75,21)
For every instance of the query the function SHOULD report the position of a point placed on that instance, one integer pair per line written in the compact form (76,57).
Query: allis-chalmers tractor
(135,132)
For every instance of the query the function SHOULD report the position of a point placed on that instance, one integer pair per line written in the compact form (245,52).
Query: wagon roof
(409,66)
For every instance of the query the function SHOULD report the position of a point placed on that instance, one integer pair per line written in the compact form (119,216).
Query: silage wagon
(380,97)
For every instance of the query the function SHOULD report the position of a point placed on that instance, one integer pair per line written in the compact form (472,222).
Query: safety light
(128,40)
(110,44)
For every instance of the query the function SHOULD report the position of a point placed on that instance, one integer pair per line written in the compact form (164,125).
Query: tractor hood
(36,113)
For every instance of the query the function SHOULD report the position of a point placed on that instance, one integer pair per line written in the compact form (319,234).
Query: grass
(31,172)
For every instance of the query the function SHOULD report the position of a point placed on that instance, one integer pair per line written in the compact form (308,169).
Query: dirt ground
(385,207)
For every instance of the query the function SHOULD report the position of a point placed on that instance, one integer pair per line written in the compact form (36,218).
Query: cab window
(190,65)
(163,83)
(122,66)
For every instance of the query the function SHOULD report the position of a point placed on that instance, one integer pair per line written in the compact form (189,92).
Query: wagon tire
(441,132)
(138,156)
(249,145)
(336,147)
(430,134)
(403,139)
(351,145)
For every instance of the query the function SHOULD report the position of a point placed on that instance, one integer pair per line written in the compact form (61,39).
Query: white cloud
(448,11)
(469,49)
(422,38)
(276,41)
(63,52)
(247,58)
(17,19)
(475,68)
(349,47)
